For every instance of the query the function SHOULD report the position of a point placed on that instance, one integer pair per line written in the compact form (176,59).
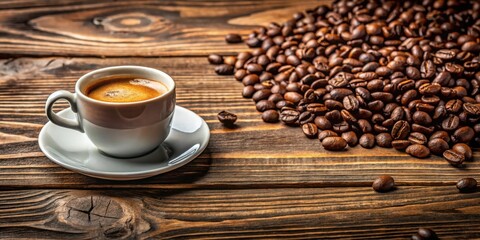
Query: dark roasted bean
(384,140)
(437,146)
(400,144)
(233,38)
(224,69)
(383,183)
(310,130)
(454,157)
(334,143)
(270,116)
(467,185)
(351,138)
(418,151)
(289,116)
(226,118)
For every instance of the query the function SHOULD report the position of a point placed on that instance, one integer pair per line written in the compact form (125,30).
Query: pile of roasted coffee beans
(401,74)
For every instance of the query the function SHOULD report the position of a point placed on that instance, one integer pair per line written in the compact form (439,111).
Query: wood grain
(301,213)
(242,157)
(145,28)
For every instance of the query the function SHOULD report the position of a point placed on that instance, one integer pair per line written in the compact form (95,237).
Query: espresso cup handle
(61,121)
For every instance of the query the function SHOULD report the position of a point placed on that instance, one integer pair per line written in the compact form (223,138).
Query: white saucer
(73,150)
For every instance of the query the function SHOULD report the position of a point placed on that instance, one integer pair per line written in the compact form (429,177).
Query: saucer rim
(123,175)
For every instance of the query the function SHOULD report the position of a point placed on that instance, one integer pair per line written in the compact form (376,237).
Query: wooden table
(258,181)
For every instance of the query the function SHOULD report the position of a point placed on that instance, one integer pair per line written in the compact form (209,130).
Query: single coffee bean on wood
(233,38)
(228,119)
(427,234)
(467,185)
(383,183)
(215,59)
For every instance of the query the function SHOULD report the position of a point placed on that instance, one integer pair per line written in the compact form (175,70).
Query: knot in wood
(137,22)
(101,216)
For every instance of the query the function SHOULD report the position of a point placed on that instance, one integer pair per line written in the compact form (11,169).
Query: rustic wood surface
(256,181)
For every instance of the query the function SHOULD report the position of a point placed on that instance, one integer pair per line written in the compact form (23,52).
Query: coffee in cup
(124,89)
(126,111)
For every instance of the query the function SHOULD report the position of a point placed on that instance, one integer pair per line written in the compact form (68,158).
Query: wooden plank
(302,213)
(254,155)
(145,28)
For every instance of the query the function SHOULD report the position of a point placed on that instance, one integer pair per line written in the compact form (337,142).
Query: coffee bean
(418,151)
(230,60)
(351,103)
(270,116)
(351,138)
(310,130)
(450,123)
(472,109)
(264,105)
(250,79)
(400,130)
(463,149)
(422,118)
(261,95)
(224,69)
(443,78)
(226,118)
(233,38)
(367,140)
(427,69)
(323,123)
(467,185)
(289,116)
(454,157)
(334,143)
(437,146)
(384,140)
(254,68)
(463,135)
(294,97)
(417,138)
(215,59)
(400,144)
(383,183)
(442,135)
(326,133)
(427,234)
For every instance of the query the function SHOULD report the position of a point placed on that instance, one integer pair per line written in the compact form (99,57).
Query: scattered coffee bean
(228,119)
(326,133)
(334,143)
(233,38)
(215,59)
(427,234)
(383,183)
(467,185)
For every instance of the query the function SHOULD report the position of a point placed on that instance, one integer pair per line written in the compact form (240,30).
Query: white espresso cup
(120,129)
